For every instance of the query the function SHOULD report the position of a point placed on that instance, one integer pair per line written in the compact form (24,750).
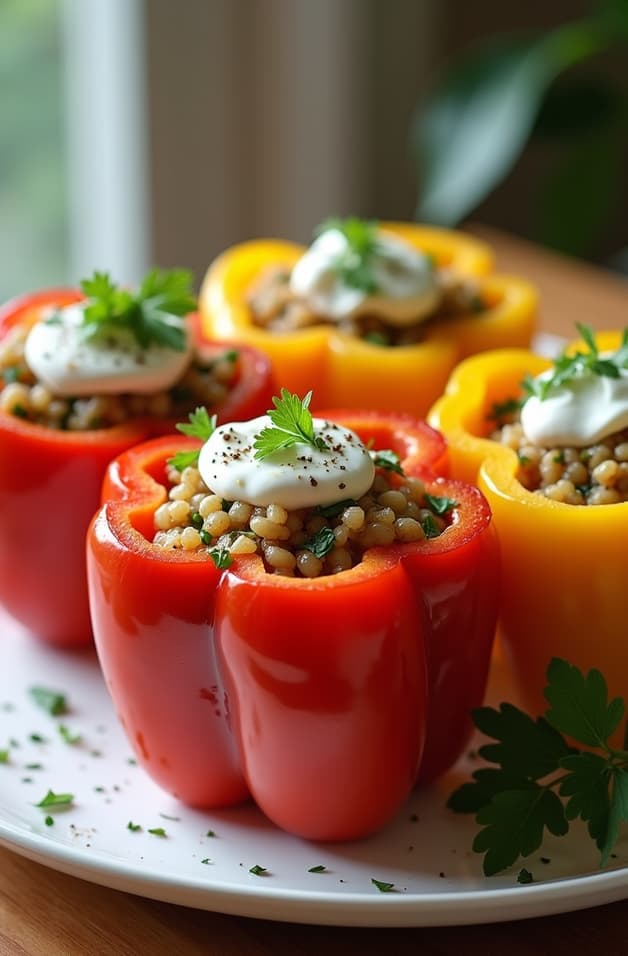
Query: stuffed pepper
(299,610)
(549,442)
(84,375)
(392,306)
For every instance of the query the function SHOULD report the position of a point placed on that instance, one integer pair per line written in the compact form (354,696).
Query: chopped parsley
(53,799)
(382,886)
(158,831)
(388,460)
(320,868)
(221,557)
(258,870)
(52,701)
(440,504)
(321,543)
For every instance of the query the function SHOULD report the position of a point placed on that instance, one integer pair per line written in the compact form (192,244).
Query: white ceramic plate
(425,852)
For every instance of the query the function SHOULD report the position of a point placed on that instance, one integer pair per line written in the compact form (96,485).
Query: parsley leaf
(53,799)
(292,424)
(387,459)
(382,886)
(199,425)
(579,706)
(150,314)
(354,265)
(258,870)
(320,868)
(221,558)
(158,831)
(321,543)
(541,782)
(440,504)
(570,366)
(51,701)
(66,734)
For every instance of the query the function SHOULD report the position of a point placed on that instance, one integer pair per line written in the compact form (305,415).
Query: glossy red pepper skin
(50,484)
(322,699)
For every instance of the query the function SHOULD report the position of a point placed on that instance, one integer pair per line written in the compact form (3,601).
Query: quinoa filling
(307,542)
(276,308)
(205,382)
(594,475)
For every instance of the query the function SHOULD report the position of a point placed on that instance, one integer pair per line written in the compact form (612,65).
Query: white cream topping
(62,359)
(407,290)
(580,412)
(299,476)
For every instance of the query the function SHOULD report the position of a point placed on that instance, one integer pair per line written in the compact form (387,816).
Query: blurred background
(138,132)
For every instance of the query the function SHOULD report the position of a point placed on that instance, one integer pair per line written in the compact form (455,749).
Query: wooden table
(45,913)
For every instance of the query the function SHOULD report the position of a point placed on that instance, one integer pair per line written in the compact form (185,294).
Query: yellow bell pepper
(348,372)
(565,567)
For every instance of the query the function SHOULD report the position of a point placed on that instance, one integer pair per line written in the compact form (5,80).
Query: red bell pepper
(325,699)
(50,483)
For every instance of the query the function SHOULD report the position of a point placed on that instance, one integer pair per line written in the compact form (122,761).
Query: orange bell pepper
(565,567)
(352,372)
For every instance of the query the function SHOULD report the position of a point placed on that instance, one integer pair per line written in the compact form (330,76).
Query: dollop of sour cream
(407,290)
(299,476)
(580,412)
(70,365)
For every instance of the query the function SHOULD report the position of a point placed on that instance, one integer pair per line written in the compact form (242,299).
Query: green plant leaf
(471,130)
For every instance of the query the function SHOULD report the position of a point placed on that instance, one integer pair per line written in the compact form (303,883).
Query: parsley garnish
(148,313)
(4,755)
(199,425)
(540,781)
(499,410)
(258,870)
(53,799)
(158,831)
(567,367)
(354,265)
(133,827)
(292,424)
(430,528)
(387,459)
(332,511)
(66,734)
(524,876)
(382,886)
(221,558)
(49,821)
(440,504)
(317,869)
(51,701)
(321,543)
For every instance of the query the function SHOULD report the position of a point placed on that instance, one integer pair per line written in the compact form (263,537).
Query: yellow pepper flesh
(347,372)
(565,567)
